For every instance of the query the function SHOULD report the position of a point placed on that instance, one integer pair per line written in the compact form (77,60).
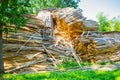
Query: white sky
(91,8)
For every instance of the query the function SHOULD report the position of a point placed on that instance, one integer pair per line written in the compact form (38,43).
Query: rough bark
(1,55)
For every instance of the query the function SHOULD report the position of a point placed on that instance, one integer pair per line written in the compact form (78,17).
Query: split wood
(50,55)
(26,65)
(75,55)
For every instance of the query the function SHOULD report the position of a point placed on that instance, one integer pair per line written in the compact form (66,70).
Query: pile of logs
(91,46)
(60,33)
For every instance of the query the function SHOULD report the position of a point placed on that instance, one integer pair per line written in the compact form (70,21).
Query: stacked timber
(29,46)
(29,35)
(68,23)
(56,33)
(91,47)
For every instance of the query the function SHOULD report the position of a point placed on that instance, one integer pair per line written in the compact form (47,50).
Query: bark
(1,55)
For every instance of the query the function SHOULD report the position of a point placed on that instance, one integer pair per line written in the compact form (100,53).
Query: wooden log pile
(34,30)
(62,33)
(91,47)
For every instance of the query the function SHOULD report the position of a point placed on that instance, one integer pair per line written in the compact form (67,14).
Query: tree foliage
(107,25)
(11,13)
(36,5)
(117,26)
(103,22)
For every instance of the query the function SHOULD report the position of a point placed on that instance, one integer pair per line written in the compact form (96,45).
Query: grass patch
(67,64)
(70,75)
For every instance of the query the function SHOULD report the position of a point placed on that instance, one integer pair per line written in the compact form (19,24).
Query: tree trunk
(1,55)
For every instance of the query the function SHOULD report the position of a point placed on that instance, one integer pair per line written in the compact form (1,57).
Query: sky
(91,8)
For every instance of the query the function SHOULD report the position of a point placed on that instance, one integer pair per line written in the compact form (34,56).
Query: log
(90,25)
(26,65)
(13,41)
(32,56)
(15,47)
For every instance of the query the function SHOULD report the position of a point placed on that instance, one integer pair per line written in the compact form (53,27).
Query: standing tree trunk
(1,55)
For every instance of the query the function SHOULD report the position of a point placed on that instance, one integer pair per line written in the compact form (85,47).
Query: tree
(36,5)
(117,25)
(11,13)
(104,23)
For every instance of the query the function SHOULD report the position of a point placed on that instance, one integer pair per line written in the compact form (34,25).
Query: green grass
(64,74)
(67,64)
(70,75)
